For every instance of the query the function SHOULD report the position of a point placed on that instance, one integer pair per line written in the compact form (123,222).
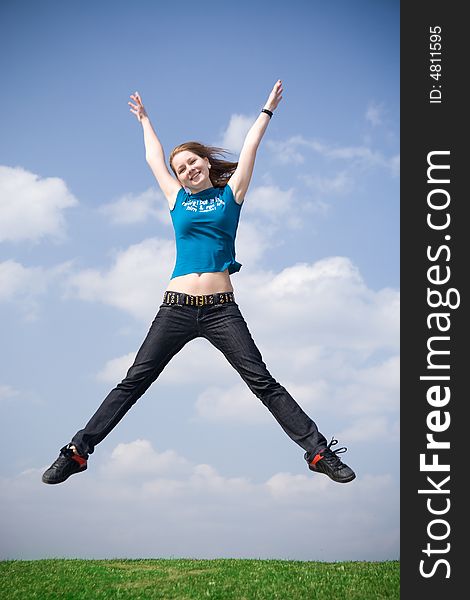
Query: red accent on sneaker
(81,461)
(316,458)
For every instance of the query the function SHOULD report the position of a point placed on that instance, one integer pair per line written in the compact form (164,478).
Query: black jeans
(224,326)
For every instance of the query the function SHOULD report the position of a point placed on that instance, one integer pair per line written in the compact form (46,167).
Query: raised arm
(240,180)
(154,153)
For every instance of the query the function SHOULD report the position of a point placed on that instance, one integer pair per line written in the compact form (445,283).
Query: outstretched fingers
(276,95)
(136,106)
(136,97)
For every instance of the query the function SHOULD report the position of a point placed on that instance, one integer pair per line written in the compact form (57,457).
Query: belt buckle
(199,300)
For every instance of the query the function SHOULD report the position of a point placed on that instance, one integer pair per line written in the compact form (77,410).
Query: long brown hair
(221,169)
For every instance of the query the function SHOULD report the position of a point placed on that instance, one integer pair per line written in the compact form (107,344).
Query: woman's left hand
(275,96)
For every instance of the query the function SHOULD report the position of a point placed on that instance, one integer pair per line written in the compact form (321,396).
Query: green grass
(184,579)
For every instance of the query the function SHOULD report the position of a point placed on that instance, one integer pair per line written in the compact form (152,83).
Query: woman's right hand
(137,107)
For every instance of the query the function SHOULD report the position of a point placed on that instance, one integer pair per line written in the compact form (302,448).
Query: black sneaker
(66,464)
(326,461)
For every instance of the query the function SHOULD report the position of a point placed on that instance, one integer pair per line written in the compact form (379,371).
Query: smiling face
(192,170)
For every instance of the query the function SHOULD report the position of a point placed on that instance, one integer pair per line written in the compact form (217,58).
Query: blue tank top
(205,225)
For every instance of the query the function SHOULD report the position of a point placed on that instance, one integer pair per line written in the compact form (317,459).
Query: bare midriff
(198,284)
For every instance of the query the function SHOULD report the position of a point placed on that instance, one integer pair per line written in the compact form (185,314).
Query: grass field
(185,579)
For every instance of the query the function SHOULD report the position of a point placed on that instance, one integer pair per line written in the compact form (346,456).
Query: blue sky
(86,251)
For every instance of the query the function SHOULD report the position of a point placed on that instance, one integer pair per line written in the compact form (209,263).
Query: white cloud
(234,136)
(273,206)
(237,404)
(374,113)
(24,285)
(289,151)
(319,328)
(286,151)
(138,208)
(374,389)
(269,208)
(115,369)
(253,240)
(395,165)
(15,279)
(134,283)
(371,428)
(338,183)
(138,458)
(233,404)
(361,154)
(7,392)
(327,301)
(32,207)
(328,338)
(149,503)
(196,364)
(368,409)
(288,487)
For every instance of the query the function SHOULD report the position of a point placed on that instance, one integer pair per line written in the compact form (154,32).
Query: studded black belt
(182,299)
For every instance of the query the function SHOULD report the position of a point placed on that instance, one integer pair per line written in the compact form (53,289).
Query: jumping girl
(205,195)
